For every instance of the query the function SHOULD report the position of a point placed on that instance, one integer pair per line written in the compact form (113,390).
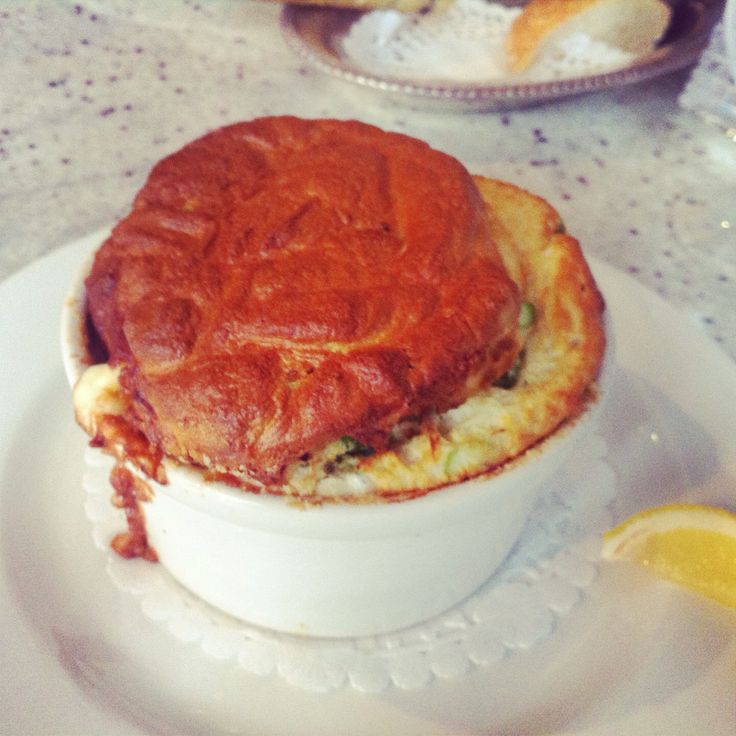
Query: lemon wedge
(688,544)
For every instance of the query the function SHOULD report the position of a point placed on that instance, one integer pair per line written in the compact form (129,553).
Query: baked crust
(562,357)
(281,283)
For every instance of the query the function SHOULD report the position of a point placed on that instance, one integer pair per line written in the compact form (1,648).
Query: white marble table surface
(93,93)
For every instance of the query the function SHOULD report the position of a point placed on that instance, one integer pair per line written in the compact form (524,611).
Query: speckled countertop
(92,94)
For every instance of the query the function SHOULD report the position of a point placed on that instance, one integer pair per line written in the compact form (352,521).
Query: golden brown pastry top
(281,283)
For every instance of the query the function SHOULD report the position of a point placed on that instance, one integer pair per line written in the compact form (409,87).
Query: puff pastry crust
(282,283)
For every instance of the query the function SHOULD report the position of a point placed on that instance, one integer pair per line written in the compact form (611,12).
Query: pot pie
(327,311)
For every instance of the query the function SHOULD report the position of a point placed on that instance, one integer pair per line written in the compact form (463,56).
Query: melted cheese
(98,393)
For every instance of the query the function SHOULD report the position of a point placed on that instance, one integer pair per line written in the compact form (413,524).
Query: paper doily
(541,581)
(465,43)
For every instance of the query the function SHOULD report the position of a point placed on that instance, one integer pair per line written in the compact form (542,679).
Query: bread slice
(634,26)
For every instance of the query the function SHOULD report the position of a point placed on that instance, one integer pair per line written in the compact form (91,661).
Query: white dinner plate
(636,656)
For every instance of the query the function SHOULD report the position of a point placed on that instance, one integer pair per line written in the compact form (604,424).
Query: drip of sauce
(117,436)
(130,492)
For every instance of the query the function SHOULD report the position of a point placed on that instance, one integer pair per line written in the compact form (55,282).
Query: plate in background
(316,34)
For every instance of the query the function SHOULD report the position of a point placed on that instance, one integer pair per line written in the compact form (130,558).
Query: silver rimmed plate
(317,35)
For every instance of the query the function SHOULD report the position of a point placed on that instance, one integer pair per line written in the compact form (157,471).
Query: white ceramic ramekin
(335,570)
